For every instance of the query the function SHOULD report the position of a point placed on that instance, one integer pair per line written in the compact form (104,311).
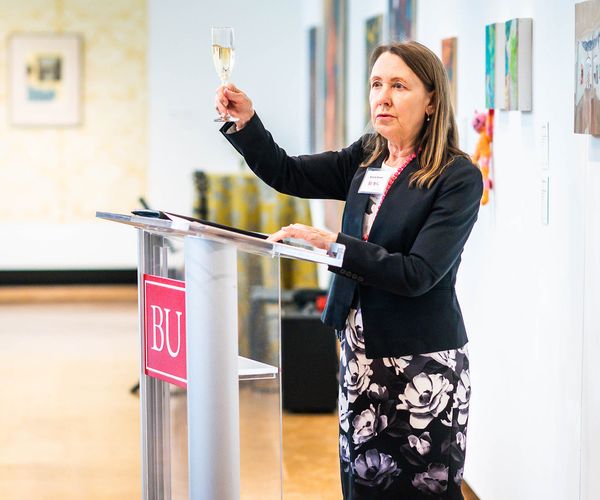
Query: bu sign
(164,329)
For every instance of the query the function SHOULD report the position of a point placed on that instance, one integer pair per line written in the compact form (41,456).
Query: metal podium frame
(212,325)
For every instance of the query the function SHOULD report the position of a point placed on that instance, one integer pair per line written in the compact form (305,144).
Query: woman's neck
(399,153)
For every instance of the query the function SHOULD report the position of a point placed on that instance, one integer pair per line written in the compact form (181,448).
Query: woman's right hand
(230,99)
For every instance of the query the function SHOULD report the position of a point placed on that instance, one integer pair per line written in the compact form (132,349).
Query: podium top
(177,226)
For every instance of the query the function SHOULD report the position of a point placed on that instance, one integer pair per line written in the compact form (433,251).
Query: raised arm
(326,175)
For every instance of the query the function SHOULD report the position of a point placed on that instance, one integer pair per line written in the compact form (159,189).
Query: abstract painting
(401,20)
(374,27)
(587,62)
(335,74)
(494,66)
(312,90)
(449,62)
(517,64)
(45,79)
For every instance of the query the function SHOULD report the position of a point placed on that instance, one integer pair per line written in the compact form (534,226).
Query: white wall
(590,436)
(268,67)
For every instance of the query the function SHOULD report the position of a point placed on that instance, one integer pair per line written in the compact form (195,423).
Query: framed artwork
(373,27)
(449,62)
(401,20)
(517,63)
(494,65)
(45,79)
(587,68)
(335,74)
(312,89)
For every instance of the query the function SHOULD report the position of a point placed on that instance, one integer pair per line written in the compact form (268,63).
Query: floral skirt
(403,421)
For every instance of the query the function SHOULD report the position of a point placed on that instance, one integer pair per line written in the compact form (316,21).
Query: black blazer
(404,275)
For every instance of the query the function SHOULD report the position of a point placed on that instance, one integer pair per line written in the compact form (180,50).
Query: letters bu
(164,330)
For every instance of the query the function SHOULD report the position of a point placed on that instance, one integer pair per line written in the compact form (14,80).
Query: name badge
(374,181)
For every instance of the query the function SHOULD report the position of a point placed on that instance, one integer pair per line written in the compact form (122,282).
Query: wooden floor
(69,427)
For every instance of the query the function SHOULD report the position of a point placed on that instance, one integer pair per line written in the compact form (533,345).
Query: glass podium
(218,435)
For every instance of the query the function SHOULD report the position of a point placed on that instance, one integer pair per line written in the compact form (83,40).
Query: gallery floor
(69,427)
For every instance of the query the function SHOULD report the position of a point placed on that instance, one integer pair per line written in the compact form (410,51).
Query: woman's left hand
(318,238)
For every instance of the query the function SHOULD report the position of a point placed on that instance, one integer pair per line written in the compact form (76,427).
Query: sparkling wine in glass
(223,52)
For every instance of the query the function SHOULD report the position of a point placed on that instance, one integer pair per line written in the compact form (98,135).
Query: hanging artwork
(517,64)
(483,123)
(335,74)
(494,66)
(587,61)
(312,90)
(45,79)
(449,62)
(401,20)
(374,27)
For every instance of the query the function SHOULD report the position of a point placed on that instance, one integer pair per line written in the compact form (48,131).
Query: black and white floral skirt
(403,421)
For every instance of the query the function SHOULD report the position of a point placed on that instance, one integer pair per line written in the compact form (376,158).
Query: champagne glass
(223,52)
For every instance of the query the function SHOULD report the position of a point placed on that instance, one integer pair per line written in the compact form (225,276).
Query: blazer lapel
(356,204)
(393,198)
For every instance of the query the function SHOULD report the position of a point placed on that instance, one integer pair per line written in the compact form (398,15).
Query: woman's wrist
(241,123)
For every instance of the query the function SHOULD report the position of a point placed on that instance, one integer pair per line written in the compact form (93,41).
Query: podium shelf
(249,369)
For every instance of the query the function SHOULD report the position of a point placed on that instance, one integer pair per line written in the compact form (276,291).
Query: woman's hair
(437,144)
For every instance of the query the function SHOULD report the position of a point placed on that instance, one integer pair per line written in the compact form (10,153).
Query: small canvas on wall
(335,74)
(374,27)
(449,62)
(494,66)
(45,79)
(401,20)
(312,89)
(517,63)
(587,68)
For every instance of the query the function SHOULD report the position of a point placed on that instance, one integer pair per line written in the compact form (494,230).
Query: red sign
(164,329)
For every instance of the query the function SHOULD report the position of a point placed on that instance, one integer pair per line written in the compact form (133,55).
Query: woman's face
(399,101)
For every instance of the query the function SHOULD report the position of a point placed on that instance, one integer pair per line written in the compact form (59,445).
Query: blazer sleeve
(436,248)
(326,175)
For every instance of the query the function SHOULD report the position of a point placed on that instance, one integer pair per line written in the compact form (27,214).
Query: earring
(428,117)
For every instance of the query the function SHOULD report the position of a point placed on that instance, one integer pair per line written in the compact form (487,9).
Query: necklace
(391,181)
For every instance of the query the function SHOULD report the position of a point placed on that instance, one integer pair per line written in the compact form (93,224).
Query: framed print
(45,79)
(374,31)
(449,55)
(335,15)
(401,20)
(518,64)
(587,68)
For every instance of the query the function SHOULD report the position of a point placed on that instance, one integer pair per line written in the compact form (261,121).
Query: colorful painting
(449,62)
(494,65)
(374,27)
(490,66)
(587,62)
(312,90)
(511,89)
(517,64)
(401,20)
(335,74)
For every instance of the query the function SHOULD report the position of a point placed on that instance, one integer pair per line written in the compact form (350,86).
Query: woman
(412,198)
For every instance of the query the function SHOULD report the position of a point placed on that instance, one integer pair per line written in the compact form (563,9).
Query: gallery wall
(528,308)
(522,280)
(53,179)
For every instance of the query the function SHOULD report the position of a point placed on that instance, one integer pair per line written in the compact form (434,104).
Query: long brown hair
(438,140)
